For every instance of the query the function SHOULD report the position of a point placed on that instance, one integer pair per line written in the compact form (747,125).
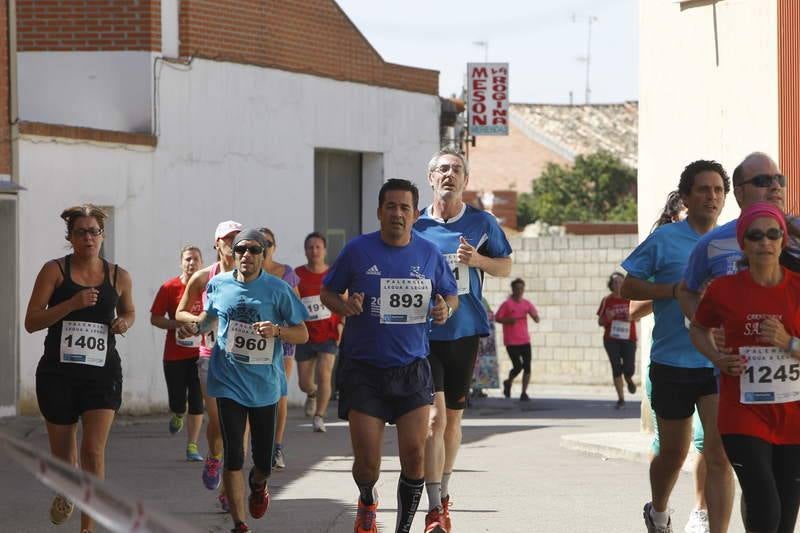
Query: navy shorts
(385,393)
(63,399)
(676,390)
(308,351)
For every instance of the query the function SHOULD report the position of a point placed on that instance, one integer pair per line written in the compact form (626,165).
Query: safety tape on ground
(109,506)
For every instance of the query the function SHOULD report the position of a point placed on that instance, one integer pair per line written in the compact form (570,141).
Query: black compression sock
(409,492)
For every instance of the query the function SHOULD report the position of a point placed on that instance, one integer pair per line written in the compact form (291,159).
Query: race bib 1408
(84,343)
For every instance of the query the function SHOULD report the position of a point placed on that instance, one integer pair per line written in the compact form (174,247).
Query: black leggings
(232,419)
(768,474)
(182,385)
(622,356)
(520,356)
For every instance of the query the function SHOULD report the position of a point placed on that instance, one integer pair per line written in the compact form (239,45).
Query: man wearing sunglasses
(474,244)
(717,253)
(682,378)
(397,282)
(244,373)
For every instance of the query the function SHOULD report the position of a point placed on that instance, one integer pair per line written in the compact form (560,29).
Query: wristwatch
(794,344)
(450,311)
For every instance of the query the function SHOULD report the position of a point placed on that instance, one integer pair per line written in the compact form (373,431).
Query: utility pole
(588,57)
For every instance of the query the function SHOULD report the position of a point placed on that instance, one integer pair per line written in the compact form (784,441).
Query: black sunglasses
(757,235)
(765,180)
(269,244)
(254,250)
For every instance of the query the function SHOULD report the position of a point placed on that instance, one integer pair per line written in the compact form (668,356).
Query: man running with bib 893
(392,276)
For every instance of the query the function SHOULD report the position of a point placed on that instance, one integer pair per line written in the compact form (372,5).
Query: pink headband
(759,210)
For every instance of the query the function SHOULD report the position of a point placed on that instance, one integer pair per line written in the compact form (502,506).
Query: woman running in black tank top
(83,302)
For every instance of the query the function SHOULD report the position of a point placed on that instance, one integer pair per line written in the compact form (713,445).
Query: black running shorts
(63,399)
(451,364)
(676,390)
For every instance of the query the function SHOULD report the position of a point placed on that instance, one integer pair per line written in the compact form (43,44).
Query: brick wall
(565,278)
(88,25)
(5,127)
(308,36)
(508,162)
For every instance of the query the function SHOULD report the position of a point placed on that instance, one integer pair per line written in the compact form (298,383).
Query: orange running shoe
(365,518)
(446,514)
(434,521)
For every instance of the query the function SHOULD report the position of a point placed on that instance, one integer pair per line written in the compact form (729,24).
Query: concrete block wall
(565,278)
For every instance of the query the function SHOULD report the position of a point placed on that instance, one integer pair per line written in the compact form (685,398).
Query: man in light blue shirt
(255,312)
(681,377)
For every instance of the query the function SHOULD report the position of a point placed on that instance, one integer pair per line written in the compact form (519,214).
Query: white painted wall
(702,97)
(237,142)
(104,90)
(693,108)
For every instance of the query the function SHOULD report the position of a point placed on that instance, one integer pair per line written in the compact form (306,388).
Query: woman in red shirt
(619,338)
(759,399)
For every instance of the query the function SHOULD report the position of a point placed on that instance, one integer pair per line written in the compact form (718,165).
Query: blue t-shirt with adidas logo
(399,283)
(483,232)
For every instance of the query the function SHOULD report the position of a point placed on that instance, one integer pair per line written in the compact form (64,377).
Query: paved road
(513,477)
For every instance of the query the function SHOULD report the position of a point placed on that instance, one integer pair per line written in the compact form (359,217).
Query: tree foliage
(597,187)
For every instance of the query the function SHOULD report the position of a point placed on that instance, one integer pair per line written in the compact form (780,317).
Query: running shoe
(434,521)
(632,387)
(651,526)
(259,498)
(524,397)
(620,404)
(365,518)
(192,453)
(241,527)
(175,424)
(278,459)
(61,509)
(318,423)
(211,473)
(224,503)
(311,405)
(446,514)
(698,522)
(507,389)
(86,531)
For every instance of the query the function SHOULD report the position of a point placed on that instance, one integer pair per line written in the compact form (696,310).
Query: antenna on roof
(588,57)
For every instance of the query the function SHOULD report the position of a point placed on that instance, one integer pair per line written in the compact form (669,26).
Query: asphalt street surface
(512,476)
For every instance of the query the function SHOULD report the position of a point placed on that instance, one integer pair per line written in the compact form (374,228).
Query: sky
(545,42)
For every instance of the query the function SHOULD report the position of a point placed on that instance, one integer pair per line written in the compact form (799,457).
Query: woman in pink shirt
(513,314)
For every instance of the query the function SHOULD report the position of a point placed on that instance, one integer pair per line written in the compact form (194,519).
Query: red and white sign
(487,87)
